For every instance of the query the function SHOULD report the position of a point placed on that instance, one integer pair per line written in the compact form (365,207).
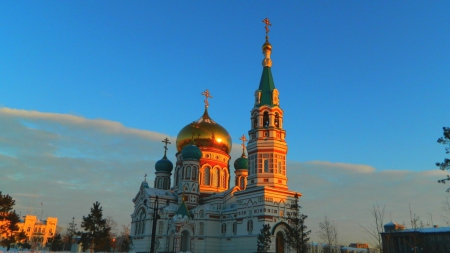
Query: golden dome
(206,133)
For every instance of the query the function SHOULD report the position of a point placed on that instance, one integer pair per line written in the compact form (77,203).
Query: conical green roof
(183,210)
(266,86)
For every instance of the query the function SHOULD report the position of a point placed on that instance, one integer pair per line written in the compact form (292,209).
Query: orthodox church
(205,207)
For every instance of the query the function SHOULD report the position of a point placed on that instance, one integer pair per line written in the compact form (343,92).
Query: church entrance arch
(185,239)
(280,242)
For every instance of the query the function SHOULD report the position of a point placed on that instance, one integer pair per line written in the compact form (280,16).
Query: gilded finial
(267,48)
(243,139)
(166,141)
(207,95)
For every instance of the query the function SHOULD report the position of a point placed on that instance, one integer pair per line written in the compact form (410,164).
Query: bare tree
(376,227)
(328,235)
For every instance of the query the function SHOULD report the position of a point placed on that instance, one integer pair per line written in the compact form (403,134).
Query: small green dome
(241,163)
(164,165)
(191,152)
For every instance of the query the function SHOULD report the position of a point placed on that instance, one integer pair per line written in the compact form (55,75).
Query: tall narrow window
(188,172)
(234,228)
(201,228)
(160,227)
(277,120)
(194,173)
(266,165)
(242,183)
(255,120)
(250,226)
(206,176)
(266,119)
(224,229)
(224,179)
(177,176)
(216,178)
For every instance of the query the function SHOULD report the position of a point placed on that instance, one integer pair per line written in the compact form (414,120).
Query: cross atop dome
(267,22)
(166,141)
(207,95)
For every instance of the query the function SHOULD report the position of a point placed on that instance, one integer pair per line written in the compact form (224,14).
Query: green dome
(241,163)
(191,152)
(164,165)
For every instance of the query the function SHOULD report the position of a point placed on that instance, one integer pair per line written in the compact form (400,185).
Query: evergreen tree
(8,222)
(264,239)
(96,235)
(446,164)
(68,237)
(56,243)
(297,235)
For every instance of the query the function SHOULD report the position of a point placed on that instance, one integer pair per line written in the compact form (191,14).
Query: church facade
(201,205)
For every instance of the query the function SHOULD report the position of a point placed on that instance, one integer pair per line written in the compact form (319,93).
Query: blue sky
(362,83)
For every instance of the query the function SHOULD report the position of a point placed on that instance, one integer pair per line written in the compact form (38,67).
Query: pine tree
(8,222)
(56,243)
(68,237)
(297,235)
(264,239)
(96,235)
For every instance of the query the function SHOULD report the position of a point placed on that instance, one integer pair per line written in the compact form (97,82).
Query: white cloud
(346,193)
(68,162)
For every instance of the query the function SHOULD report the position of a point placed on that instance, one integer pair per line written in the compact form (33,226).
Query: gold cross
(207,95)
(243,139)
(267,22)
(166,141)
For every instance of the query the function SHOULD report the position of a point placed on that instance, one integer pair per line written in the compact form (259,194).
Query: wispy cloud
(67,162)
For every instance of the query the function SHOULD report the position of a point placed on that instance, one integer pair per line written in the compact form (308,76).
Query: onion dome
(164,165)
(191,152)
(241,163)
(206,133)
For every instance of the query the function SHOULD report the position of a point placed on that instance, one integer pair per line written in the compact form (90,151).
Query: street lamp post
(155,218)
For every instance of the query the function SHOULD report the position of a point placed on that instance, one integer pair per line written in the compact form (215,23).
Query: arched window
(188,172)
(266,119)
(224,228)
(242,183)
(277,120)
(202,213)
(177,176)
(250,226)
(206,176)
(183,171)
(216,181)
(224,179)
(165,181)
(194,173)
(160,183)
(255,120)
(142,221)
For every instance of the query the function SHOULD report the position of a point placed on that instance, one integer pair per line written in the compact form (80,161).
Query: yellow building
(38,231)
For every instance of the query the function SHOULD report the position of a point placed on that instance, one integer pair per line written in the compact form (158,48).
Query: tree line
(96,234)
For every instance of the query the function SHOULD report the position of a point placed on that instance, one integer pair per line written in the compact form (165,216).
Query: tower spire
(267,147)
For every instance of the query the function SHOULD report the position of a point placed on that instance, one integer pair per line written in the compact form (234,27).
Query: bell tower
(267,147)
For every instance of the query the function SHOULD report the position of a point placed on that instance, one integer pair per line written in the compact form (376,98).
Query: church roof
(266,86)
(183,210)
